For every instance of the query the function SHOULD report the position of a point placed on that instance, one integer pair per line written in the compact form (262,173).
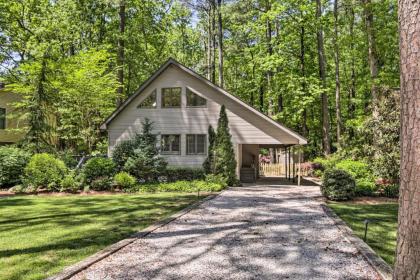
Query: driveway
(263,231)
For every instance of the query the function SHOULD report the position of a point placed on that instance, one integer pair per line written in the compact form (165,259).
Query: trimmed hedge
(98,167)
(173,174)
(338,185)
(179,186)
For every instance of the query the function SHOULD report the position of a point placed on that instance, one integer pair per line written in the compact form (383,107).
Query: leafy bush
(179,186)
(217,179)
(365,188)
(122,151)
(326,163)
(18,189)
(103,183)
(44,170)
(12,163)
(391,190)
(68,158)
(70,183)
(359,170)
(173,174)
(338,185)
(98,167)
(124,180)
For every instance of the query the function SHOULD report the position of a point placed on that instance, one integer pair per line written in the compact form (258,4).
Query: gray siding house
(182,104)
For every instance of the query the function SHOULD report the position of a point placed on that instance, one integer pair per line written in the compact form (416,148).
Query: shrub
(70,183)
(122,152)
(365,188)
(179,186)
(12,163)
(391,190)
(216,179)
(103,183)
(44,170)
(124,180)
(173,174)
(98,167)
(359,170)
(326,163)
(68,158)
(18,189)
(338,185)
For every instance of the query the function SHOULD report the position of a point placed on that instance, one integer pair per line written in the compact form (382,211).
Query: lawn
(40,235)
(382,231)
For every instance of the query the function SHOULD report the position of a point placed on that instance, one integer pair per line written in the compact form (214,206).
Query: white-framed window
(2,118)
(171,97)
(196,144)
(149,102)
(171,144)
(194,100)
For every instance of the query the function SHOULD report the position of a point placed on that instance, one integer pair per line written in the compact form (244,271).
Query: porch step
(247,175)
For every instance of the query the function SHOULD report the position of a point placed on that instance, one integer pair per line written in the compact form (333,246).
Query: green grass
(382,231)
(39,236)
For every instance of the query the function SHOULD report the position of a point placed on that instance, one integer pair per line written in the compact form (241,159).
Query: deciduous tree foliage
(264,51)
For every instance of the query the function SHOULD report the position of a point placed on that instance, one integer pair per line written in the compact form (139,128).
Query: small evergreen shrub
(122,151)
(70,184)
(44,171)
(391,190)
(12,163)
(124,180)
(173,174)
(103,183)
(98,167)
(338,185)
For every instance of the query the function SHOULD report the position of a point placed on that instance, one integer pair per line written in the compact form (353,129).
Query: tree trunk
(120,89)
(303,76)
(322,74)
(213,46)
(220,41)
(269,73)
(209,44)
(337,74)
(352,93)
(372,55)
(407,265)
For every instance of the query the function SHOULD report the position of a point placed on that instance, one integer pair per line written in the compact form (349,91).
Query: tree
(337,74)
(208,164)
(121,43)
(224,154)
(407,265)
(323,76)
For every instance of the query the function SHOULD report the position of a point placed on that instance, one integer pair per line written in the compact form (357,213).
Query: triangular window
(149,102)
(194,100)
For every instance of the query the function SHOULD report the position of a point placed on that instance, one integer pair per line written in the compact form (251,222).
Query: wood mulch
(373,200)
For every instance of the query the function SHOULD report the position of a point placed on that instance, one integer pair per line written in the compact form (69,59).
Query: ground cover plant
(382,229)
(40,235)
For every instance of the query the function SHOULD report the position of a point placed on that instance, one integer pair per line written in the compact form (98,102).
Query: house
(9,122)
(182,104)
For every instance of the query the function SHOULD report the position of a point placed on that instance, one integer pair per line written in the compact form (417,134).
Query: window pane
(170,144)
(190,144)
(171,97)
(2,118)
(201,144)
(194,100)
(175,143)
(149,102)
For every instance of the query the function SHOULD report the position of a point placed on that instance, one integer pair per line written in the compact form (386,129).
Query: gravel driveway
(264,231)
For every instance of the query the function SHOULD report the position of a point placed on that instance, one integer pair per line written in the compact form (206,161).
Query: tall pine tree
(224,154)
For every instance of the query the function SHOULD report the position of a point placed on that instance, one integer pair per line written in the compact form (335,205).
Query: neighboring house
(182,104)
(9,123)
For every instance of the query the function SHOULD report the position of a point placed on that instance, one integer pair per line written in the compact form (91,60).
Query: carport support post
(285,162)
(299,166)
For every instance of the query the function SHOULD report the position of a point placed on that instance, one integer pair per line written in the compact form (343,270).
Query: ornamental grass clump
(338,185)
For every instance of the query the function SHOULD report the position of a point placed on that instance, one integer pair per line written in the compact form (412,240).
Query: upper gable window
(194,100)
(149,102)
(171,97)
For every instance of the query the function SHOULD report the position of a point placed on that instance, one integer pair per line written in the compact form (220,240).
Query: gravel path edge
(381,267)
(72,270)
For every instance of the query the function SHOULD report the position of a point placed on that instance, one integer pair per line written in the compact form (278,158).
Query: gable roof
(171,61)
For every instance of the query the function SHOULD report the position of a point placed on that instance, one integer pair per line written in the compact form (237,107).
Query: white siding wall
(183,120)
